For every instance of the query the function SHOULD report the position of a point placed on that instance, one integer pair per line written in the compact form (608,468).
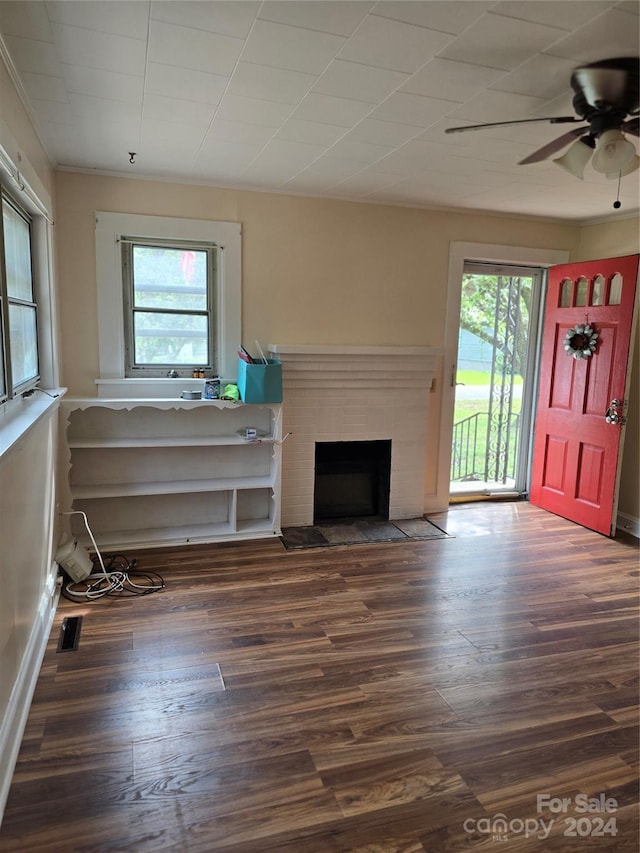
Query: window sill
(20,415)
(149,388)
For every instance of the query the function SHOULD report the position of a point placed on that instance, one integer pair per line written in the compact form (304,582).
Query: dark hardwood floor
(399,697)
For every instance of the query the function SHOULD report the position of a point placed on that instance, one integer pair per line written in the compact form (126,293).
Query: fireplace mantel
(355,393)
(377,367)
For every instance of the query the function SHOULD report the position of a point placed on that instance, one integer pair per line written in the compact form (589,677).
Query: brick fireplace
(341,394)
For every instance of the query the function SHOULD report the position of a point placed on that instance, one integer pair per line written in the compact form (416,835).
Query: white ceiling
(337,99)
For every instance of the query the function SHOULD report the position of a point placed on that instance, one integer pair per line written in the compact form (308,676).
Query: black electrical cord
(42,391)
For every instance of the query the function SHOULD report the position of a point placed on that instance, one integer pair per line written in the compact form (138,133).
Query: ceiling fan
(606,97)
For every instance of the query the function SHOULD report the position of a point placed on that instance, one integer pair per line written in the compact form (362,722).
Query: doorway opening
(495,379)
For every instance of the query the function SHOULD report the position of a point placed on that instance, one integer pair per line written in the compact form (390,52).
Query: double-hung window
(169,300)
(18,310)
(169,306)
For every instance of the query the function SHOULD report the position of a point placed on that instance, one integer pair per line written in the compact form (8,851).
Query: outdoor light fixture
(613,153)
(577,156)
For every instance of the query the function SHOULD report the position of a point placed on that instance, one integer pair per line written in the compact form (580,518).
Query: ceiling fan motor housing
(606,92)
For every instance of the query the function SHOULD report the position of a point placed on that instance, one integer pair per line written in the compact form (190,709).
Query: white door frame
(459,253)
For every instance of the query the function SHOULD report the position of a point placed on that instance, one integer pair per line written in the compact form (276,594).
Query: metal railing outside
(474,459)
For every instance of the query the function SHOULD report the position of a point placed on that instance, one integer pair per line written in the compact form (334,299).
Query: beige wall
(314,270)
(609,239)
(27,495)
(19,138)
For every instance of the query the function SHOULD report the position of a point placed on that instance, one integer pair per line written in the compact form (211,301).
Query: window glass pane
(24,343)
(169,278)
(615,295)
(17,250)
(566,291)
(581,292)
(169,339)
(598,291)
(3,389)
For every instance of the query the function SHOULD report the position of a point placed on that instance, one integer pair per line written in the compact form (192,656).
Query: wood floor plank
(374,698)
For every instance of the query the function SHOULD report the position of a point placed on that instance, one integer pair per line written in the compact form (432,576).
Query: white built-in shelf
(150,472)
(192,534)
(169,487)
(149,441)
(152,536)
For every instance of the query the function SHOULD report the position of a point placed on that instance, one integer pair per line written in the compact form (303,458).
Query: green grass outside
(479,377)
(466,408)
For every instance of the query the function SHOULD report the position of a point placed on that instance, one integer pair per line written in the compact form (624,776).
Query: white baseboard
(628,523)
(15,719)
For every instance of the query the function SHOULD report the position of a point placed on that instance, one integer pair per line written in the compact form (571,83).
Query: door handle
(612,415)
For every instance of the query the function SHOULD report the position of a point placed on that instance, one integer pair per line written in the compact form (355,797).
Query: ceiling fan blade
(632,126)
(551,120)
(554,146)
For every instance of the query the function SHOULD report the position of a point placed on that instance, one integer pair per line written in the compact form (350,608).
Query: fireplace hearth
(352,480)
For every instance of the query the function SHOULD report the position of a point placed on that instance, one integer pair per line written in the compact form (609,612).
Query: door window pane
(615,294)
(597,297)
(566,292)
(581,292)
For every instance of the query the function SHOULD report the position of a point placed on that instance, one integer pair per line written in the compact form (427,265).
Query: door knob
(612,415)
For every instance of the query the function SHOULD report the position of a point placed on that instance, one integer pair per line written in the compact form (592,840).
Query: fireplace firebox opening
(352,480)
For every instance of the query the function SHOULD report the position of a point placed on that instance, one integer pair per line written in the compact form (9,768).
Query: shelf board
(169,441)
(251,526)
(152,537)
(169,487)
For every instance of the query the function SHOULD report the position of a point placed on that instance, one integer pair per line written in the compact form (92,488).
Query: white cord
(86,524)
(102,583)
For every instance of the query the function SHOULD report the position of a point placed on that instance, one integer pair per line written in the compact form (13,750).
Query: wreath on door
(581,341)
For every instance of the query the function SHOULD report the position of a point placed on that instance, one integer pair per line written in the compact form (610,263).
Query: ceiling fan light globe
(613,153)
(575,158)
(633,165)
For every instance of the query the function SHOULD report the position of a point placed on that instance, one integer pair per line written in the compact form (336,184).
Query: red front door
(579,417)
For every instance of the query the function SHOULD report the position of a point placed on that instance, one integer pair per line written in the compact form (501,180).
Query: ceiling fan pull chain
(617,204)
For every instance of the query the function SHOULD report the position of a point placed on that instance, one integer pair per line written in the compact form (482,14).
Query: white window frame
(135,369)
(20,414)
(10,387)
(111,324)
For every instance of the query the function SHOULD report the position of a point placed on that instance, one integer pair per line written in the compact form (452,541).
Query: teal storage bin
(260,383)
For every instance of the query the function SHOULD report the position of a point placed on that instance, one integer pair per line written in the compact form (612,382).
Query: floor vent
(69,634)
